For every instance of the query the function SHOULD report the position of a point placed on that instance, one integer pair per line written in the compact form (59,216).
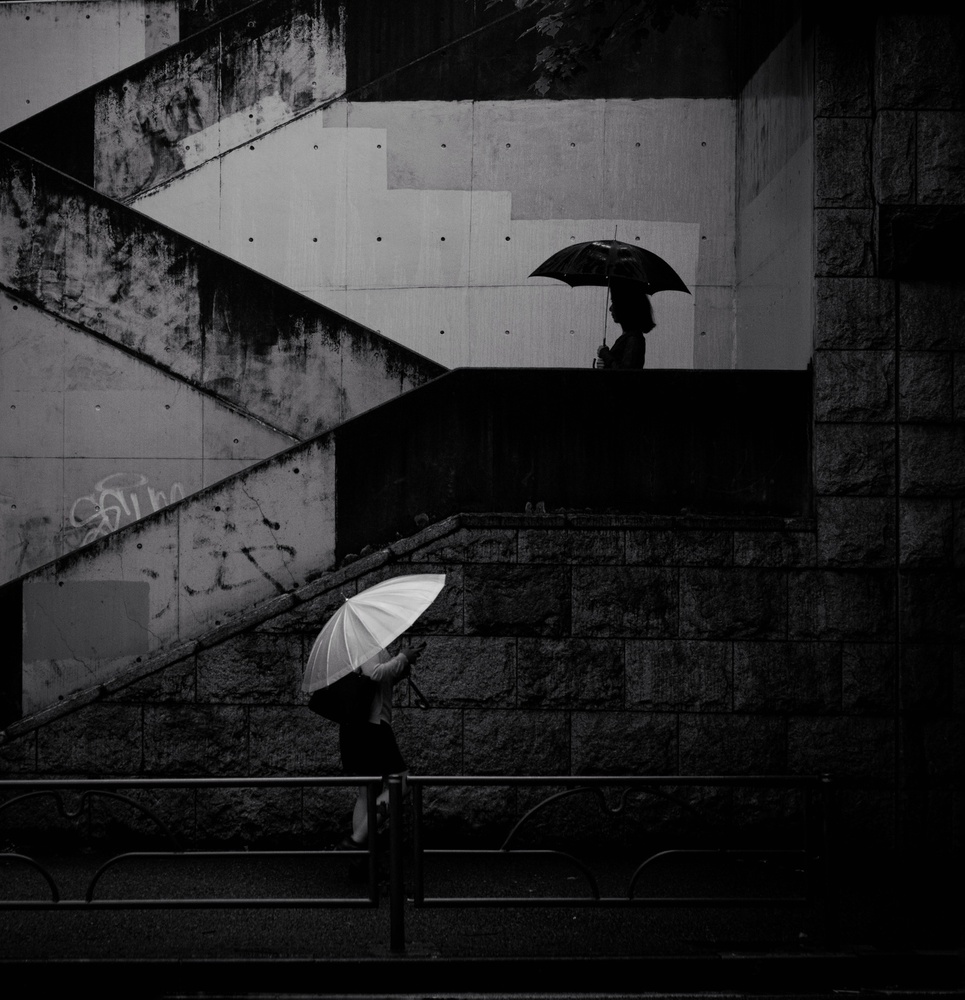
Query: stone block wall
(561,644)
(889,339)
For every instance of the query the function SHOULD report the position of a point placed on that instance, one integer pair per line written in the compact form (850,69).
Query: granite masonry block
(175,683)
(941,157)
(931,748)
(790,677)
(918,62)
(856,531)
(308,617)
(201,741)
(96,741)
(587,547)
(705,548)
(515,742)
(252,668)
(469,545)
(854,459)
(286,740)
(854,313)
(667,675)
(927,679)
(732,744)
(854,386)
(932,605)
(624,743)
(733,603)
(571,673)
(868,677)
(517,600)
(843,70)
(844,242)
(632,601)
(651,547)
(933,460)
(250,816)
(163,816)
(18,755)
(894,157)
(932,315)
(795,547)
(958,386)
(841,604)
(457,671)
(926,533)
(925,386)
(848,746)
(431,741)
(842,162)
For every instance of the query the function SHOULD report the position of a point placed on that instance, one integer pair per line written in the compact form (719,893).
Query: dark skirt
(370,748)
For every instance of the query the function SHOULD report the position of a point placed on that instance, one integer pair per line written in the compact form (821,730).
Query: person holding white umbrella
(350,676)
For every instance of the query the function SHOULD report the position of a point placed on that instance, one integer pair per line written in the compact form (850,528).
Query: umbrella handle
(420,699)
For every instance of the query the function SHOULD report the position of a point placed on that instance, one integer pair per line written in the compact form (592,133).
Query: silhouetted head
(630,306)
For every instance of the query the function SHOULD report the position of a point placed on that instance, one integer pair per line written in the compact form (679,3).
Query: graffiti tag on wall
(118,499)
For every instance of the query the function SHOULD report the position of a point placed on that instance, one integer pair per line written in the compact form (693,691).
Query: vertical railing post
(418,890)
(372,795)
(396,874)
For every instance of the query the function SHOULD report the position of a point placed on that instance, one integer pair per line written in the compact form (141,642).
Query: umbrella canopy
(599,262)
(366,623)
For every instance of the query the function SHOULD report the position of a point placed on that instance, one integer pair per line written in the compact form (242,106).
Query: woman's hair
(631,305)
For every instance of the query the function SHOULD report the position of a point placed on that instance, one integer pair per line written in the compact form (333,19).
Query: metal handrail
(816,853)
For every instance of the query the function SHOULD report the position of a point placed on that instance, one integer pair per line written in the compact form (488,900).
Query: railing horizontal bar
(94,783)
(608,902)
(350,902)
(622,781)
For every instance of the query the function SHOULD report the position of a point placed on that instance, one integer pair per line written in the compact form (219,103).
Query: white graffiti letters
(113,502)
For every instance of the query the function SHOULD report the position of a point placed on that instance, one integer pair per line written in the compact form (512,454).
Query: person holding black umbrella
(630,308)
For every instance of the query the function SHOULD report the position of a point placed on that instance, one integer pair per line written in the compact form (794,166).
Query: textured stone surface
(196,741)
(854,459)
(291,740)
(570,673)
(476,545)
(933,460)
(843,70)
(868,677)
(431,742)
(631,601)
(928,678)
(854,313)
(941,157)
(801,677)
(473,671)
(651,547)
(843,242)
(602,547)
(842,162)
(731,744)
(177,682)
(854,386)
(623,743)
(517,600)
(252,668)
(932,315)
(856,531)
(259,816)
(104,740)
(840,604)
(894,157)
(932,605)
(719,603)
(775,548)
(919,60)
(515,742)
(704,548)
(848,746)
(926,533)
(676,675)
(925,381)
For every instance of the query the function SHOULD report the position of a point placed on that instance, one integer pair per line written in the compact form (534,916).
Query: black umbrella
(599,262)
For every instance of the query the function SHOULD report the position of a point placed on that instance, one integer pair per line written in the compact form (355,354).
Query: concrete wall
(775,170)
(50,51)
(424,220)
(189,569)
(93,438)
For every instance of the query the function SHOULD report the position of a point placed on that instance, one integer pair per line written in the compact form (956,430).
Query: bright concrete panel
(92,438)
(50,50)
(317,208)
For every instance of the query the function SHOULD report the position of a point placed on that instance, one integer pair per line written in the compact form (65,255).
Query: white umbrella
(366,623)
